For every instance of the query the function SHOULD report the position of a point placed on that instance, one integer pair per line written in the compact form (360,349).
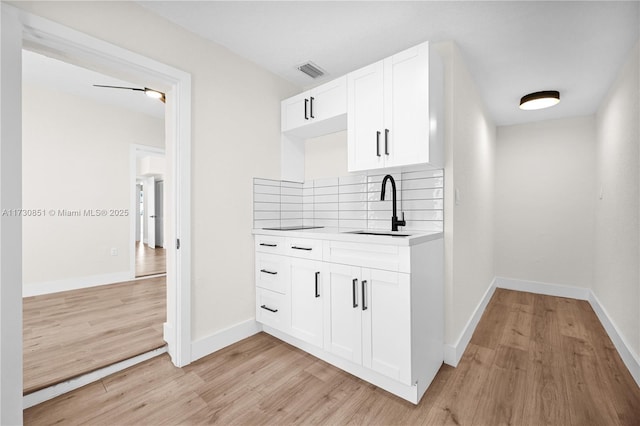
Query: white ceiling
(511,48)
(61,76)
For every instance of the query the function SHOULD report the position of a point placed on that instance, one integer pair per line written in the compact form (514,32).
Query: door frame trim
(47,36)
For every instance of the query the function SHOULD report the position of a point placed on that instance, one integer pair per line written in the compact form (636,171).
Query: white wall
(469,167)
(235,136)
(544,201)
(76,157)
(326,156)
(616,280)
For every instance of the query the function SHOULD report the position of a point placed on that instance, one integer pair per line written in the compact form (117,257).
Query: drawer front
(304,248)
(376,256)
(271,272)
(272,309)
(269,244)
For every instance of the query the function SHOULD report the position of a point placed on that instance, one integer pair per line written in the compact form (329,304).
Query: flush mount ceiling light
(152,93)
(540,100)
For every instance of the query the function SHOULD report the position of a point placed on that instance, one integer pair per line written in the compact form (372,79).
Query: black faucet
(394,219)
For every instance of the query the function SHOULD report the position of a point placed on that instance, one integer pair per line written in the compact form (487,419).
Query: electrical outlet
(114,251)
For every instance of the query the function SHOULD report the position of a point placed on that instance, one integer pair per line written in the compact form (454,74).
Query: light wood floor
(534,360)
(75,332)
(150,261)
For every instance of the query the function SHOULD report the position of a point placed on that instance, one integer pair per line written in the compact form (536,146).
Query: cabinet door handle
(302,248)
(355,292)
(268,245)
(364,297)
(317,275)
(268,272)
(306,106)
(386,141)
(265,307)
(378,144)
(311,107)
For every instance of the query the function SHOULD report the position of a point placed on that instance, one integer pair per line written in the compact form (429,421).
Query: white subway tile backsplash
(326,206)
(291,207)
(422,174)
(353,214)
(422,204)
(266,207)
(291,191)
(357,196)
(349,180)
(325,190)
(354,206)
(423,183)
(266,198)
(296,199)
(329,214)
(351,189)
(269,182)
(266,189)
(351,223)
(325,182)
(329,198)
(422,194)
(352,201)
(266,215)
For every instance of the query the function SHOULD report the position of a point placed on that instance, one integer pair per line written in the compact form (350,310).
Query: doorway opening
(22,29)
(81,311)
(149,206)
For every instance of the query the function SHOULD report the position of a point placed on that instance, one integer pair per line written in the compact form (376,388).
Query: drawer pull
(265,307)
(268,245)
(268,272)
(302,248)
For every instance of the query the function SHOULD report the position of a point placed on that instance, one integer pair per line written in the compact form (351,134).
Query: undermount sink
(383,233)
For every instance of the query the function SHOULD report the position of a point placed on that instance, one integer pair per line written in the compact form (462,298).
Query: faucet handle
(402,222)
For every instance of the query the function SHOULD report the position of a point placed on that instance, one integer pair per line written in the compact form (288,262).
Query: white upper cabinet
(395,107)
(318,111)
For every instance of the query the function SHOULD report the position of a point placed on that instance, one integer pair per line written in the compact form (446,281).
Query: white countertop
(346,234)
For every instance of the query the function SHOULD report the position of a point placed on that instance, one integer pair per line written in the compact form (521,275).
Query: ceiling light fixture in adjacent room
(540,100)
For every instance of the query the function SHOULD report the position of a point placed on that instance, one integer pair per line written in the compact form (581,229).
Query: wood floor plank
(150,261)
(71,333)
(563,371)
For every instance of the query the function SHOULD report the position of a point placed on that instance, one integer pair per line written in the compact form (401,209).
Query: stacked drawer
(271,282)
(272,276)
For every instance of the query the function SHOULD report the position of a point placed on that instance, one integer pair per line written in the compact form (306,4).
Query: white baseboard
(57,286)
(547,289)
(453,353)
(630,359)
(210,344)
(51,392)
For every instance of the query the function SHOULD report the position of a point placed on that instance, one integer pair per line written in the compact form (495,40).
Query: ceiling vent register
(311,69)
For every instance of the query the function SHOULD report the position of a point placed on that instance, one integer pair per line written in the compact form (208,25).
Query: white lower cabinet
(369,319)
(383,325)
(307,300)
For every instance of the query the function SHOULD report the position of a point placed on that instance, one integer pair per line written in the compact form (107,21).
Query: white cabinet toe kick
(375,311)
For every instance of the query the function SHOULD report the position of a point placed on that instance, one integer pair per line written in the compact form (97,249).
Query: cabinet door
(365,131)
(386,323)
(329,100)
(407,106)
(293,111)
(306,300)
(343,318)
